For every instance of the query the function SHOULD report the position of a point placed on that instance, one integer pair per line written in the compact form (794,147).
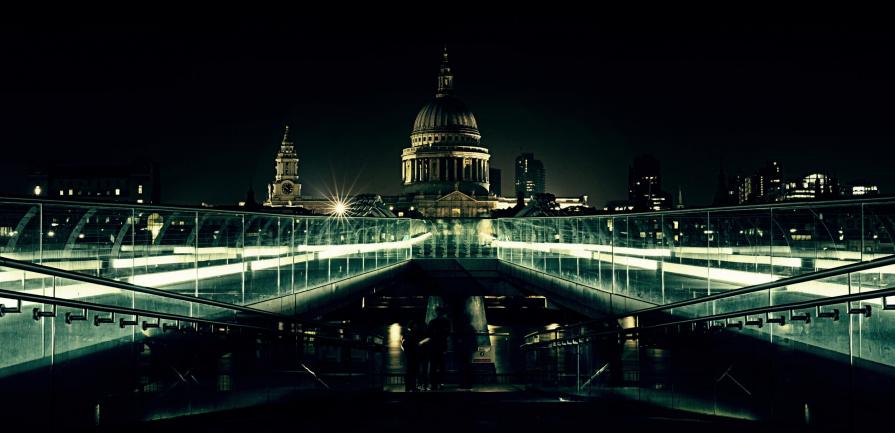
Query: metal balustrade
(689,263)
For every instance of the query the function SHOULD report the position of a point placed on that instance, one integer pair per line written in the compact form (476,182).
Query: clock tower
(285,189)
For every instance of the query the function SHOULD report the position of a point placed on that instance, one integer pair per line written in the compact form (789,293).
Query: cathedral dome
(445,114)
(445,153)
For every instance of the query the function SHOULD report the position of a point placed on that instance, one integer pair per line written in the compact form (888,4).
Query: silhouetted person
(412,336)
(438,331)
(425,356)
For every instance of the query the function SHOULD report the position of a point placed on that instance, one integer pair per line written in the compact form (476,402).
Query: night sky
(209,101)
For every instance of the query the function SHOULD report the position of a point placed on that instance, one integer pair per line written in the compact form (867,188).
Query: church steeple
(287,141)
(445,77)
(285,189)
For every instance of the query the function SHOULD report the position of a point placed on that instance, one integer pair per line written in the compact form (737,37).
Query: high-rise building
(645,185)
(770,181)
(531,177)
(285,189)
(765,185)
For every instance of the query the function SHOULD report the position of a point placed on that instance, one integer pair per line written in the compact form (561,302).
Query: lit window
(139,189)
(61,192)
(117,191)
(139,200)
(71,192)
(37,190)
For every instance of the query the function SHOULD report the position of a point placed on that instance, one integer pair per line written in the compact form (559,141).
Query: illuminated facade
(285,191)
(446,169)
(811,187)
(138,182)
(859,189)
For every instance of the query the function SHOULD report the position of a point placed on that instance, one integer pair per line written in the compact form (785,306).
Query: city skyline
(210,108)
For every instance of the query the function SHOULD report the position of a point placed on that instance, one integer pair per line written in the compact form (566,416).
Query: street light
(340,208)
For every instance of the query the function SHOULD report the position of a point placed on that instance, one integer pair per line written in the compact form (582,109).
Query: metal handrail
(152,207)
(69,275)
(785,205)
(61,273)
(779,205)
(810,276)
(137,312)
(41,299)
(792,306)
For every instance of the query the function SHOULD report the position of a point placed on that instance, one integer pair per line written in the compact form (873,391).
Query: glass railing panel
(534,231)
(514,233)
(26,343)
(641,256)
(878,240)
(826,327)
(620,240)
(163,250)
(217,252)
(818,236)
(873,335)
(302,256)
(739,249)
(20,239)
(878,227)
(684,277)
(400,243)
(485,233)
(569,253)
(87,239)
(596,264)
(388,232)
(342,235)
(286,260)
(20,231)
(454,238)
(321,234)
(406,232)
(506,232)
(96,331)
(368,235)
(354,234)
(371,235)
(262,257)
(431,246)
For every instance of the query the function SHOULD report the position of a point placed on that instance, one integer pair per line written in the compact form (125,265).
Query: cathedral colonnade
(444,169)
